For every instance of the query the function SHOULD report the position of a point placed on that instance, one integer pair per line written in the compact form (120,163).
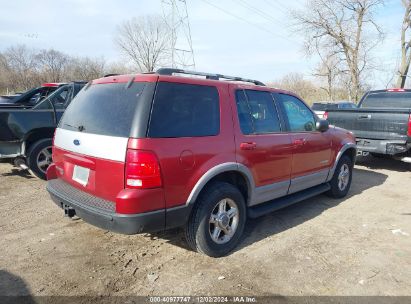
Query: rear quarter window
(184,110)
(104,109)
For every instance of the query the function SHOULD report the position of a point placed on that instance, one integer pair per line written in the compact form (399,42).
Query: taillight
(142,170)
(325,115)
(396,90)
(409,126)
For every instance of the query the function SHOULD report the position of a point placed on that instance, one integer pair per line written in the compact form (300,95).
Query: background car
(320,108)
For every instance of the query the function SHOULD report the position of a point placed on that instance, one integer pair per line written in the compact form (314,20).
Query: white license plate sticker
(80,175)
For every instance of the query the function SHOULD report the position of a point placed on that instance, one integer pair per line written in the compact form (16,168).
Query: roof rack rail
(171,71)
(112,74)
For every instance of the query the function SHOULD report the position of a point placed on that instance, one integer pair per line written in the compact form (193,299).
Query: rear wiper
(70,126)
(80,128)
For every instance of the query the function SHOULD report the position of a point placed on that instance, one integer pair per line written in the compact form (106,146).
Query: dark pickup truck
(26,134)
(30,98)
(381,123)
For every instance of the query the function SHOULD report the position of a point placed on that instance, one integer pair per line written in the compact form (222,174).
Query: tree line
(22,68)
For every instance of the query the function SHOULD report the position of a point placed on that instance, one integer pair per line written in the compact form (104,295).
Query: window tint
(244,113)
(300,118)
(347,106)
(387,100)
(256,112)
(184,110)
(105,109)
(59,97)
(319,106)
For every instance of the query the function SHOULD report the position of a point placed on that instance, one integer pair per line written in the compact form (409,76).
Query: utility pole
(176,17)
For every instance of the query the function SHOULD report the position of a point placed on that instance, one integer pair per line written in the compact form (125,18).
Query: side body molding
(340,153)
(225,167)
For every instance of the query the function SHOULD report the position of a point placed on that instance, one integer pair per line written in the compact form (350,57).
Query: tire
(341,181)
(210,213)
(39,157)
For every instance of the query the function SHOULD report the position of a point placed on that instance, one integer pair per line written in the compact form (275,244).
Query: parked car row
(148,152)
(321,108)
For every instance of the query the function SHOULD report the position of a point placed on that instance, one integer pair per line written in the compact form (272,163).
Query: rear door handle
(299,142)
(248,146)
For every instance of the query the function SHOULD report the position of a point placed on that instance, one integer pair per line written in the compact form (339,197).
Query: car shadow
(386,163)
(14,289)
(19,172)
(289,217)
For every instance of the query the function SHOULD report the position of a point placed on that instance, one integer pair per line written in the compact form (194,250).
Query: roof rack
(171,71)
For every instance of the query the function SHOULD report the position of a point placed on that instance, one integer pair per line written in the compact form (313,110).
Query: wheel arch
(233,173)
(35,136)
(349,149)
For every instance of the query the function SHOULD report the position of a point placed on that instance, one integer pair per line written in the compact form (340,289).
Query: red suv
(148,152)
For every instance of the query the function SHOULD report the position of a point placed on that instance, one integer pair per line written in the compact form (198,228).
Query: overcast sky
(247,44)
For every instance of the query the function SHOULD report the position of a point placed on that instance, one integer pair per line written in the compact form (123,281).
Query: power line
(247,21)
(275,5)
(259,12)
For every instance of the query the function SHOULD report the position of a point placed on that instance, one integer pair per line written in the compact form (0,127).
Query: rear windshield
(387,100)
(319,106)
(184,110)
(104,109)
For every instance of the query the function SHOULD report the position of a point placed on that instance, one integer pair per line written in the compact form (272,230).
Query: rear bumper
(390,147)
(10,149)
(99,213)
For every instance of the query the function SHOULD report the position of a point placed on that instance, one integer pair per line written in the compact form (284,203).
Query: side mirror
(322,125)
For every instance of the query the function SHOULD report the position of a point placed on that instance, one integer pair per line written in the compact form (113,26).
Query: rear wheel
(39,157)
(341,180)
(217,221)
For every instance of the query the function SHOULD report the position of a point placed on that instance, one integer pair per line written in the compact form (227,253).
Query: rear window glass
(387,100)
(104,109)
(184,110)
(319,106)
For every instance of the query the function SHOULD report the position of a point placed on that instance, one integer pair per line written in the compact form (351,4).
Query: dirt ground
(360,245)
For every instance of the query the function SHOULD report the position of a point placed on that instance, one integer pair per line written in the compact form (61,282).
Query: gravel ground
(360,245)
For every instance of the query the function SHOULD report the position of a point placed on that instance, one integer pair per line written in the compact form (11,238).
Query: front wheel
(39,157)
(217,222)
(341,180)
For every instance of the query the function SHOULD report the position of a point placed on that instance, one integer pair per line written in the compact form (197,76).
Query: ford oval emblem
(76,142)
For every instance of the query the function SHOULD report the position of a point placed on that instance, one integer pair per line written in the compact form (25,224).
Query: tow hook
(69,211)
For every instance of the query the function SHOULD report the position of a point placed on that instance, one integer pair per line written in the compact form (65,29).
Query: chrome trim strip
(101,146)
(340,153)
(308,181)
(269,192)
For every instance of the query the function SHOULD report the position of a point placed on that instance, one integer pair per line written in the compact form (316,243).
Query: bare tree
(328,68)
(53,64)
(405,45)
(145,41)
(20,65)
(85,68)
(297,83)
(345,29)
